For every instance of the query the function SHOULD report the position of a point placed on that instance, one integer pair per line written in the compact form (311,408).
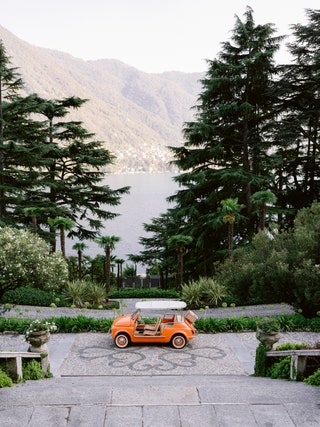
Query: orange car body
(169,328)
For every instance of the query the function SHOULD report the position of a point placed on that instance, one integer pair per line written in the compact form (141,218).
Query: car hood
(122,321)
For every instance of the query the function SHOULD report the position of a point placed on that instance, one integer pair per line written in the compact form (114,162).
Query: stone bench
(298,360)
(14,359)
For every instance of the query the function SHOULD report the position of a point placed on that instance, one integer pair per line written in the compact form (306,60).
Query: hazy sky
(151,35)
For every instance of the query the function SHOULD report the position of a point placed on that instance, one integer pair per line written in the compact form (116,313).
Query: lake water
(146,200)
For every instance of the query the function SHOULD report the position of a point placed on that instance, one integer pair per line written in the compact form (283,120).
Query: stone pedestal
(38,344)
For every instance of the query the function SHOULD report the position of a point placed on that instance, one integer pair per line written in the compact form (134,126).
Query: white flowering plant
(26,260)
(38,326)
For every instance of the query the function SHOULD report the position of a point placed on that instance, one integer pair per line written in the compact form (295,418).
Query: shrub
(260,365)
(32,296)
(203,292)
(96,294)
(25,260)
(192,294)
(281,369)
(82,324)
(268,324)
(279,268)
(76,292)
(307,291)
(82,293)
(31,370)
(5,380)
(293,346)
(313,379)
(260,273)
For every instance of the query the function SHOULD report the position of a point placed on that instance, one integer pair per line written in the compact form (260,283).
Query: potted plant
(38,332)
(268,329)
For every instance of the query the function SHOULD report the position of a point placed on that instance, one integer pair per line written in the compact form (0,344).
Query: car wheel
(122,340)
(178,341)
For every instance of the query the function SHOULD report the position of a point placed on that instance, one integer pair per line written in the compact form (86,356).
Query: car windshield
(134,314)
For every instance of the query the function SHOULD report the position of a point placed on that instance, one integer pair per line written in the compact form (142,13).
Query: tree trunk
(79,264)
(118,276)
(63,242)
(108,263)
(230,239)
(180,269)
(34,224)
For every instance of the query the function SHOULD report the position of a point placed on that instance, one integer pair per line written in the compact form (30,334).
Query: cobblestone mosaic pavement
(97,354)
(87,354)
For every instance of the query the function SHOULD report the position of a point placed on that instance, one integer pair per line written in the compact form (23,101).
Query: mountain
(136,114)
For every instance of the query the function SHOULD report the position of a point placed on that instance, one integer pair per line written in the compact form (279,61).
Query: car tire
(122,340)
(178,341)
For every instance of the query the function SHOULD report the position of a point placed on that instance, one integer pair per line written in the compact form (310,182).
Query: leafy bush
(313,379)
(268,324)
(307,290)
(203,292)
(283,267)
(259,274)
(293,346)
(25,260)
(260,365)
(32,296)
(5,380)
(32,370)
(281,369)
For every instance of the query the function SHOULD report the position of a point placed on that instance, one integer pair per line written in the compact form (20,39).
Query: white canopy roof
(161,305)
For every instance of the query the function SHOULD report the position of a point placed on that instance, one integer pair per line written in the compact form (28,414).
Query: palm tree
(179,243)
(79,247)
(261,199)
(34,213)
(229,213)
(108,244)
(62,224)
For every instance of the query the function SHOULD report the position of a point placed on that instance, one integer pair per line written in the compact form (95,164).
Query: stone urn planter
(38,339)
(38,335)
(268,332)
(268,338)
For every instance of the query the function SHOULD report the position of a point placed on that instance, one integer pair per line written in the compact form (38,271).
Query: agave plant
(213,291)
(192,294)
(77,292)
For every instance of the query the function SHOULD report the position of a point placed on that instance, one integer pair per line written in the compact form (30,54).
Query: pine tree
(19,135)
(72,171)
(226,150)
(298,136)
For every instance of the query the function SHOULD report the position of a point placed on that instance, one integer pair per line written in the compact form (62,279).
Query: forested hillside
(136,114)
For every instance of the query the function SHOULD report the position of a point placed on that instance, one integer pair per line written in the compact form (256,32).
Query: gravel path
(128,306)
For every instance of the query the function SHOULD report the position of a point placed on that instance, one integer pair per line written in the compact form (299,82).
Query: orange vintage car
(174,328)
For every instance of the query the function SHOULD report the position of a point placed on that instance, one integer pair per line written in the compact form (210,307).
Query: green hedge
(83,323)
(31,296)
(64,324)
(290,322)
(144,293)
